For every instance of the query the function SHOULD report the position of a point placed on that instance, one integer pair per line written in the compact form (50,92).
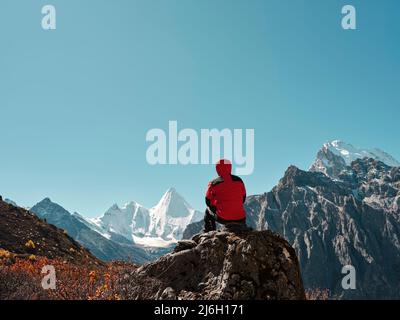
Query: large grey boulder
(234,263)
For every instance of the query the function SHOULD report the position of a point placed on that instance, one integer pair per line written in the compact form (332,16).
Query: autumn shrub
(30,244)
(4,254)
(22,278)
(18,281)
(317,294)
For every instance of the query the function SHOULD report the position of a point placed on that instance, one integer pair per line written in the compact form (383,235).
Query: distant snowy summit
(158,226)
(336,155)
(130,232)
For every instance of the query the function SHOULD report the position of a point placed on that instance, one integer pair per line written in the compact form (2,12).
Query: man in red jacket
(224,198)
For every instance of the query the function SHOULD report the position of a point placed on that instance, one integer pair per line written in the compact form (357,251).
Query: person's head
(224,168)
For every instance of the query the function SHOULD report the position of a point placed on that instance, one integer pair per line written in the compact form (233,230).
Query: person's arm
(210,198)
(244,192)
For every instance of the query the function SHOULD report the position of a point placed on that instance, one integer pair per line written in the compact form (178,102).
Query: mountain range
(345,210)
(130,233)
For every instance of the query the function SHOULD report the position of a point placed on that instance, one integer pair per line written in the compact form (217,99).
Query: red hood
(224,168)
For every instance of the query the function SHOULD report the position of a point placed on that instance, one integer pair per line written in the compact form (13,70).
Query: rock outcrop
(228,264)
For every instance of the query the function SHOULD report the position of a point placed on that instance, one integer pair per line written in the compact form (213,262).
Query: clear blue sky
(76,103)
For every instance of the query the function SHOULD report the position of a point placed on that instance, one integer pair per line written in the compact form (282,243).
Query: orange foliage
(4,254)
(317,294)
(21,278)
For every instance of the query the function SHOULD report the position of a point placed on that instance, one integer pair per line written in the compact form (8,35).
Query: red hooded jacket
(226,194)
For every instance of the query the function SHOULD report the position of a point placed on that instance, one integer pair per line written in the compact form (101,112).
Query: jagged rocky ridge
(336,223)
(335,156)
(336,215)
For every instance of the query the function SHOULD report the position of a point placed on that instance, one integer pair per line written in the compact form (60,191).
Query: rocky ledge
(233,263)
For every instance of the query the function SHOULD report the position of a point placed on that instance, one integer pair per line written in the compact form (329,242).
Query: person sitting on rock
(225,197)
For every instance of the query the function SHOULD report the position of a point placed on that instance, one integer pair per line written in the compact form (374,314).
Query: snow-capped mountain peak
(173,205)
(160,225)
(120,220)
(349,153)
(336,155)
(169,218)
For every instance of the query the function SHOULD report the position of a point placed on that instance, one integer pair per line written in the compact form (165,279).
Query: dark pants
(211,219)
